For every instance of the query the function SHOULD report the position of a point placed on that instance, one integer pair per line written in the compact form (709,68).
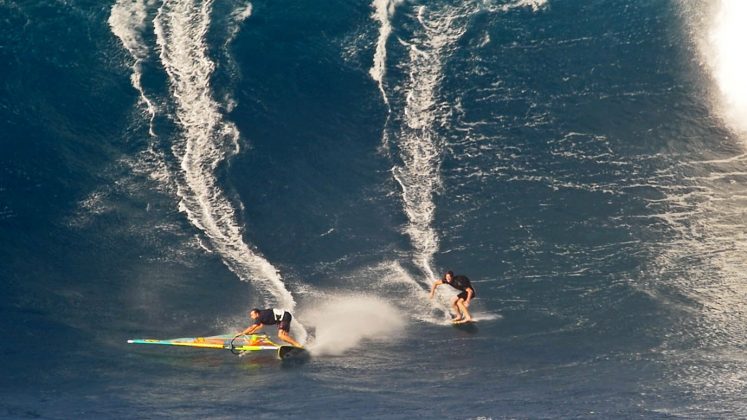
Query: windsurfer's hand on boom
(250,330)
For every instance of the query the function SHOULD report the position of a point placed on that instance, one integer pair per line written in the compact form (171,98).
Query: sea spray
(728,62)
(346,322)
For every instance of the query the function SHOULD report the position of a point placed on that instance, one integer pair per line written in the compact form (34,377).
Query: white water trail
(238,17)
(725,54)
(383,12)
(419,143)
(128,21)
(207,141)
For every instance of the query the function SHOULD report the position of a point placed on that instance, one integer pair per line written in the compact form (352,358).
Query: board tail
(293,353)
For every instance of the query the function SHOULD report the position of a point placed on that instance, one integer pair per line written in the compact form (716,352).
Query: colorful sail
(237,344)
(254,342)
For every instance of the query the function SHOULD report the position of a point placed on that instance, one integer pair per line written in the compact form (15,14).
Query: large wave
(703,212)
(700,269)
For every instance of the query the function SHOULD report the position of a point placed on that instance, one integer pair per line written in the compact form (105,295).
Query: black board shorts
(463,295)
(285,322)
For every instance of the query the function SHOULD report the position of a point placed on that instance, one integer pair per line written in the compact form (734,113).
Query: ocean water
(167,165)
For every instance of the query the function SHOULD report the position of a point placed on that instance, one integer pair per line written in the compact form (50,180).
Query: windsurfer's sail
(237,344)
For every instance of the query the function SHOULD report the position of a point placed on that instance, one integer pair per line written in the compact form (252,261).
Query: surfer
(460,302)
(271,317)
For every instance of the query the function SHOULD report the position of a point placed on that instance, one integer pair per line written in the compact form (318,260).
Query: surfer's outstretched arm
(433,288)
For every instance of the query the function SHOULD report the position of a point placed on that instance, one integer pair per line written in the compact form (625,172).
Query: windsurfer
(272,316)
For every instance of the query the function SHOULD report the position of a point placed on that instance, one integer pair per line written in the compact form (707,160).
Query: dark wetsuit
(275,316)
(461,283)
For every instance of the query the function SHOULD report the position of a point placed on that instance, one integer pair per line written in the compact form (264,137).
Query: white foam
(128,21)
(393,276)
(535,5)
(241,14)
(717,29)
(238,17)
(728,61)
(486,316)
(383,11)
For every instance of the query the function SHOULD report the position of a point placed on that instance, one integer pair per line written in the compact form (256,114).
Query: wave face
(582,162)
(417,112)
(207,139)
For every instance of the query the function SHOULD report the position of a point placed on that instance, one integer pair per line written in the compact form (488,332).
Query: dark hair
(254,310)
(449,273)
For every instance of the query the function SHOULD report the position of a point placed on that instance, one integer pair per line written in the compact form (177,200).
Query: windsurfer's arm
(252,328)
(433,288)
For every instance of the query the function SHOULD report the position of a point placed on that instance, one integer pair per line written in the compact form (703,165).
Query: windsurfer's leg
(283,335)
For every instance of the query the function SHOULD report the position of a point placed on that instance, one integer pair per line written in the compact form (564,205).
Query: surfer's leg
(466,317)
(455,308)
(463,312)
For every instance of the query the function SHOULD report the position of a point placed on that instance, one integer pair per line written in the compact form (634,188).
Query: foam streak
(128,21)
(420,145)
(383,10)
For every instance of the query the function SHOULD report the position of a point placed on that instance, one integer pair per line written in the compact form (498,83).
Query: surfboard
(469,326)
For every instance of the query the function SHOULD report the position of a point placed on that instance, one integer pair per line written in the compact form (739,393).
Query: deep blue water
(165,166)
